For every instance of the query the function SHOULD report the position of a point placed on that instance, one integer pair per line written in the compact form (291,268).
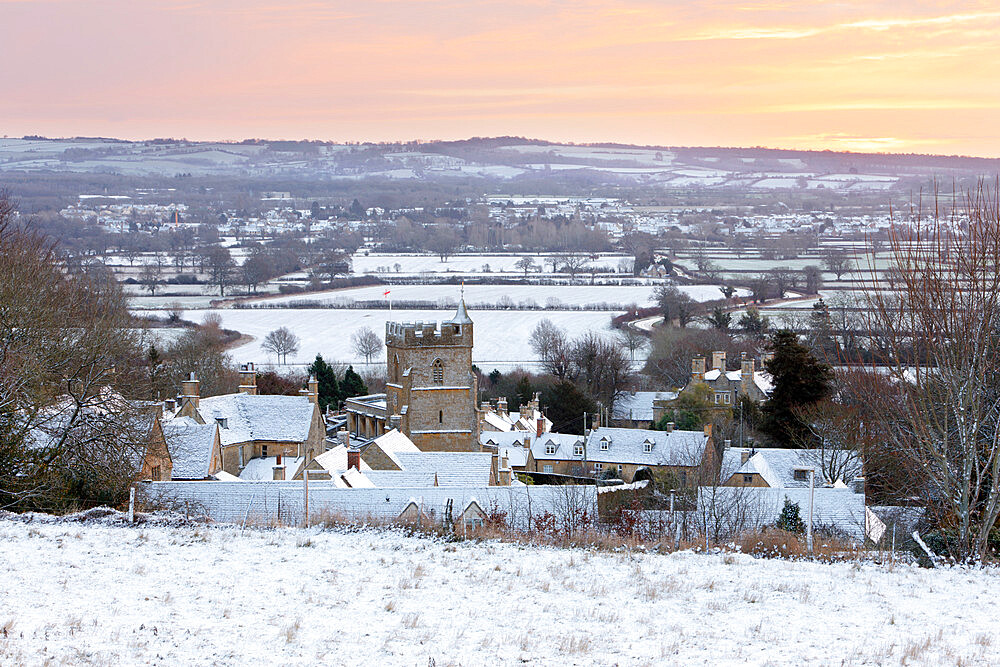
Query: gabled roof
(498,422)
(638,406)
(191,446)
(777,466)
(393,442)
(627,445)
(259,417)
(451,468)
(564,443)
(262,467)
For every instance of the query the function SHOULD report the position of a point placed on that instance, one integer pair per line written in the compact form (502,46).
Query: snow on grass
(540,295)
(421,263)
(501,336)
(98,594)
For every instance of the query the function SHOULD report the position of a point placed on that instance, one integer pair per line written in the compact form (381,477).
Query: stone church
(430,390)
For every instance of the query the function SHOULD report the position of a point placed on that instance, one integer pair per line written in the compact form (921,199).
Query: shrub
(789,519)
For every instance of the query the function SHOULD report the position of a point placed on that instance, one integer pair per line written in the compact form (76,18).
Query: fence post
(131,504)
(305,491)
(809,526)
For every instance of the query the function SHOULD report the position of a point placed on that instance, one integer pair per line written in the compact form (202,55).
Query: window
(684,479)
(647,446)
(395,368)
(550,449)
(748,479)
(240,450)
(605,444)
(440,416)
(156,473)
(222,422)
(263,450)
(437,372)
(728,398)
(598,466)
(801,475)
(620,468)
(547,469)
(578,449)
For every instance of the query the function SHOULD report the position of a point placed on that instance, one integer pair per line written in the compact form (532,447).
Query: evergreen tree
(329,388)
(352,385)
(799,380)
(789,519)
(565,405)
(821,340)
(525,392)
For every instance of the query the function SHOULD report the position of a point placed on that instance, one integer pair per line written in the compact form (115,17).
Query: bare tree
(573,264)
(221,267)
(150,277)
(676,305)
(549,342)
(526,264)
(837,261)
(937,335)
(366,343)
(281,342)
(632,340)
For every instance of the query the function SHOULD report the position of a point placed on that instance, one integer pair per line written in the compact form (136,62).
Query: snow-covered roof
(354,479)
(335,460)
(638,406)
(762,379)
(509,439)
(564,444)
(400,479)
(190,445)
(628,445)
(839,508)
(451,468)
(259,417)
(262,467)
(777,466)
(393,442)
(461,315)
(498,422)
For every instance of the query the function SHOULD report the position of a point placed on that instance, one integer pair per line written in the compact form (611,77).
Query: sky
(873,75)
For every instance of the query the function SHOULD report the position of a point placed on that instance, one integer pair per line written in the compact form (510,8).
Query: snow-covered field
(421,263)
(501,336)
(99,594)
(541,295)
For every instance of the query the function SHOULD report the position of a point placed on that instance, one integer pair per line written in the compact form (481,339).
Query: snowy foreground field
(100,594)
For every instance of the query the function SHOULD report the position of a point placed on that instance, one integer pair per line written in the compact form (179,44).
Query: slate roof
(400,479)
(452,468)
(190,445)
(627,445)
(393,442)
(777,466)
(762,379)
(564,444)
(259,417)
(262,467)
(638,406)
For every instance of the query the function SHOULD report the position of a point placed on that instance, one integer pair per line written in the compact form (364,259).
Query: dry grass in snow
(97,594)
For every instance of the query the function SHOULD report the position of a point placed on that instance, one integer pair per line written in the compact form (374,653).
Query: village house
(260,436)
(779,468)
(624,453)
(727,386)
(527,418)
(636,409)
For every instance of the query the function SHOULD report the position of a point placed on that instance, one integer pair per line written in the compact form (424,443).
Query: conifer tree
(352,384)
(329,388)
(790,519)
(799,380)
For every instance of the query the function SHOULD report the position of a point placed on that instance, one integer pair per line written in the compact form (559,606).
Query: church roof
(461,315)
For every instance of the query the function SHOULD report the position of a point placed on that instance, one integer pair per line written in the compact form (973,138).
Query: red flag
(386,293)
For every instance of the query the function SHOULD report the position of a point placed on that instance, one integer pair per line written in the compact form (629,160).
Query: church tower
(431,389)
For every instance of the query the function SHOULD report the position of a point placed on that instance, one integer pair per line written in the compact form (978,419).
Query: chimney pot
(539,427)
(670,427)
(354,459)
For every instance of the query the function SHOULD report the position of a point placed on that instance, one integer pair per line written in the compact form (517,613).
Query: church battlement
(416,334)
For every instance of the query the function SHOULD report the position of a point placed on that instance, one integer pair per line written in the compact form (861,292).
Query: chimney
(190,390)
(670,427)
(279,473)
(726,444)
(248,379)
(746,370)
(354,459)
(313,390)
(858,485)
(395,421)
(719,360)
(698,369)
(595,422)
(744,456)
(170,406)
(539,427)
(708,431)
(344,436)
(502,406)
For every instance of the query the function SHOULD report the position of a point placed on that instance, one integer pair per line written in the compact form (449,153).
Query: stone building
(431,389)
(728,385)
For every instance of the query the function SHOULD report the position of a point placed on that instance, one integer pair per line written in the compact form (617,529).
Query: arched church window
(437,372)
(395,368)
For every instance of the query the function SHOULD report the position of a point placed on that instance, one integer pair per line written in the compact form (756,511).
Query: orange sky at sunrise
(866,76)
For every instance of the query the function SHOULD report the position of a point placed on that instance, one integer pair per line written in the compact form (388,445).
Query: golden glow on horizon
(871,76)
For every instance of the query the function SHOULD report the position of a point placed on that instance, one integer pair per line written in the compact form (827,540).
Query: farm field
(537,295)
(501,336)
(423,263)
(111,594)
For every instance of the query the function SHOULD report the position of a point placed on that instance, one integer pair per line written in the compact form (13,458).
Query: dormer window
(437,372)
(647,446)
(550,449)
(222,422)
(801,475)
(605,444)
(578,449)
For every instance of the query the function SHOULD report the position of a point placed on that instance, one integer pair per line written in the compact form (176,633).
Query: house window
(598,466)
(263,450)
(222,422)
(440,416)
(550,449)
(240,450)
(684,479)
(605,444)
(728,399)
(647,447)
(155,474)
(748,479)
(620,468)
(547,469)
(437,372)
(578,450)
(801,475)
